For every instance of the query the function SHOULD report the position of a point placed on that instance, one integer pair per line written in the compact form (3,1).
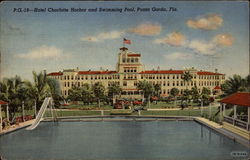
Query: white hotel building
(129,71)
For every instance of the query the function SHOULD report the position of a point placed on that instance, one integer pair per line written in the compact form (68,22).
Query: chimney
(216,70)
(158,68)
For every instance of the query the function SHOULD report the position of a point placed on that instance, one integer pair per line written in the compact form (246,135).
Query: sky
(203,35)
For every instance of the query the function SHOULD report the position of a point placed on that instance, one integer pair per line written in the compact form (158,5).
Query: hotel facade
(129,71)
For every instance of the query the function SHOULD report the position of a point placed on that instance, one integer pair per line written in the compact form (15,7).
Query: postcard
(124,80)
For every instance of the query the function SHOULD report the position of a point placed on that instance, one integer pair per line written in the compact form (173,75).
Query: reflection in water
(185,140)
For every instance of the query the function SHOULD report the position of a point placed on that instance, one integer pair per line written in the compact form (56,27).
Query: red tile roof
(55,74)
(217,87)
(3,102)
(163,72)
(241,99)
(134,55)
(208,73)
(97,72)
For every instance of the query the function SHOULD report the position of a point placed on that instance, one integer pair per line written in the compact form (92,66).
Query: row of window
(164,83)
(130,60)
(147,76)
(80,84)
(151,76)
(130,70)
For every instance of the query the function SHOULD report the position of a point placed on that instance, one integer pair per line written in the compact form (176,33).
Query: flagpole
(123,43)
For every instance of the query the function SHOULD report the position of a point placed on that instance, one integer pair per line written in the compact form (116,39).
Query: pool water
(113,140)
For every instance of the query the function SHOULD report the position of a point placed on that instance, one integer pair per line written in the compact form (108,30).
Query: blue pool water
(128,140)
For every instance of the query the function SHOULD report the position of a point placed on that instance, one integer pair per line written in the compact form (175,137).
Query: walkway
(225,131)
(17,127)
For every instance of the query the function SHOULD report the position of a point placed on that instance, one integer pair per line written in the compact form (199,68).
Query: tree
(98,90)
(87,93)
(235,84)
(174,92)
(157,88)
(13,93)
(147,88)
(186,77)
(195,94)
(205,95)
(40,88)
(114,89)
(75,94)
(55,91)
(186,96)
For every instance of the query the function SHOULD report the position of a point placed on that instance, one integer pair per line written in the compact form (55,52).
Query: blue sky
(204,35)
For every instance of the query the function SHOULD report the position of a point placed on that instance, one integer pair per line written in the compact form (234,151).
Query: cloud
(202,47)
(207,22)
(173,39)
(178,56)
(43,52)
(223,39)
(146,29)
(103,36)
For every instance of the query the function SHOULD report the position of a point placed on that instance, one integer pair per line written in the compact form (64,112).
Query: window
(125,83)
(135,83)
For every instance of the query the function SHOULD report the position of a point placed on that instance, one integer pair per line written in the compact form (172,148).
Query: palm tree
(186,77)
(174,92)
(195,93)
(12,92)
(75,94)
(87,93)
(114,89)
(40,89)
(147,88)
(98,90)
(235,84)
(157,88)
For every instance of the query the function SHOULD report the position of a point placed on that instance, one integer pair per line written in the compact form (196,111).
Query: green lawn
(89,107)
(86,110)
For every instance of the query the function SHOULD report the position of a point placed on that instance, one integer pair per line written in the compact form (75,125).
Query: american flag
(126,41)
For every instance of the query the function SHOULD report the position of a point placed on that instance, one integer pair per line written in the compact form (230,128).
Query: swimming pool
(118,140)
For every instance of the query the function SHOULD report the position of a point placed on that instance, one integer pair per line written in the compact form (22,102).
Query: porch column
(7,112)
(1,118)
(224,109)
(235,115)
(221,114)
(248,117)
(210,110)
(201,108)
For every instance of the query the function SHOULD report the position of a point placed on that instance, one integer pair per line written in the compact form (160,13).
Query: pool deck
(16,127)
(230,132)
